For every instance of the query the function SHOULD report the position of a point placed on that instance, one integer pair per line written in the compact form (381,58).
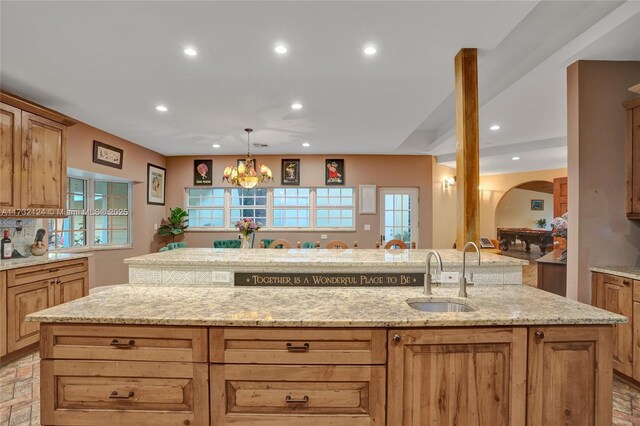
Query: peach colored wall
(599,232)
(106,266)
(380,170)
(444,207)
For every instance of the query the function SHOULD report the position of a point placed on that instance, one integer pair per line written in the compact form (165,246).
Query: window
(291,208)
(70,231)
(248,204)
(273,208)
(98,215)
(205,207)
(335,208)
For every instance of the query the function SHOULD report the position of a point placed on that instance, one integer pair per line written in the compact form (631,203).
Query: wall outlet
(155,226)
(367,227)
(449,277)
(323,236)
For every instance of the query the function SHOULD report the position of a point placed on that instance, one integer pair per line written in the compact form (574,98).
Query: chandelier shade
(246,174)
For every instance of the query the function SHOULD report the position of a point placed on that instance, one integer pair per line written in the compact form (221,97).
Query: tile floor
(20,396)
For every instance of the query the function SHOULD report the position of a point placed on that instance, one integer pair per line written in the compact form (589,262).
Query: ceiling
(110,63)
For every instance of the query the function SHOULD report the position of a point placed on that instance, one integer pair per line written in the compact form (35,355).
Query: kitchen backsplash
(23,239)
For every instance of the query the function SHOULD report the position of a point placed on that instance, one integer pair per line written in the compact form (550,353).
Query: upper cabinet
(33,159)
(633,157)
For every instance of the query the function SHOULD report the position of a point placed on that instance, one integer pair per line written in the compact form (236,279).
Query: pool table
(538,237)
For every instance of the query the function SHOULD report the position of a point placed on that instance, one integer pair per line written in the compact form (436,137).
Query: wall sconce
(450,181)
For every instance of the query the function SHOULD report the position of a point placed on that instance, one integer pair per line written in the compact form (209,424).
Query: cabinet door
(435,377)
(10,131)
(44,170)
(70,287)
(3,313)
(615,294)
(21,301)
(570,377)
(633,162)
(636,339)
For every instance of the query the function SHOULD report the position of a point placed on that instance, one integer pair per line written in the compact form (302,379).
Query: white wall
(444,207)
(514,209)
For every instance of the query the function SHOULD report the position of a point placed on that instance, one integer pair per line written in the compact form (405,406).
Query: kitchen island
(138,354)
(219,267)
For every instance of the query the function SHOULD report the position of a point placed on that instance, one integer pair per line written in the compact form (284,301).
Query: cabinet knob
(626,282)
(397,338)
(539,335)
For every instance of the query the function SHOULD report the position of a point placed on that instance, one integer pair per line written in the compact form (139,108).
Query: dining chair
(395,244)
(237,243)
(336,244)
(279,244)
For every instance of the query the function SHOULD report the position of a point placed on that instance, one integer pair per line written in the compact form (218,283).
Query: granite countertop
(39,260)
(347,259)
(313,307)
(632,272)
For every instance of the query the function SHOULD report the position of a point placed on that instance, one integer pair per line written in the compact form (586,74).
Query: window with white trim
(281,209)
(99,215)
(335,208)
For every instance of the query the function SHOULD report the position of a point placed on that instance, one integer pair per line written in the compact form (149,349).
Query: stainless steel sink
(439,306)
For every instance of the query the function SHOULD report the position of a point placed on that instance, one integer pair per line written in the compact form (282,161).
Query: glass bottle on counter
(6,246)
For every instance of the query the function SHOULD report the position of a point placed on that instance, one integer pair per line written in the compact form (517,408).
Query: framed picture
(242,160)
(202,172)
(291,172)
(334,172)
(537,204)
(107,155)
(156,184)
(368,203)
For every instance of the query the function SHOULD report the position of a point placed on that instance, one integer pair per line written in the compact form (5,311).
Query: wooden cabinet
(615,294)
(32,289)
(633,158)
(33,158)
(569,376)
(457,376)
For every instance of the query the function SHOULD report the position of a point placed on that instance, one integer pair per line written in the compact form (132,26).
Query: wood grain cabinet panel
(123,343)
(615,294)
(109,393)
(244,395)
(569,376)
(457,377)
(636,339)
(70,287)
(633,158)
(10,141)
(298,346)
(49,271)
(21,301)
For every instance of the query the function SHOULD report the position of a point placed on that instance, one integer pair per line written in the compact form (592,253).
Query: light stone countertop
(313,307)
(350,259)
(39,260)
(631,272)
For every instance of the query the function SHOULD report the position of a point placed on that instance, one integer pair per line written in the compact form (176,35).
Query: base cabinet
(570,377)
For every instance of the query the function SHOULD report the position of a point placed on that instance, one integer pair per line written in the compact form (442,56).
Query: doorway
(399,215)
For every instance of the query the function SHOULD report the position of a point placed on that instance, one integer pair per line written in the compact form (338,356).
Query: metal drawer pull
(53,270)
(290,400)
(114,395)
(121,345)
(303,348)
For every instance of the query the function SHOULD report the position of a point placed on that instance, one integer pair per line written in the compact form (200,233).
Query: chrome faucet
(463,279)
(427,278)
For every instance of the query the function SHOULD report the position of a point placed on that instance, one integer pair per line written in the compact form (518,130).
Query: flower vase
(247,241)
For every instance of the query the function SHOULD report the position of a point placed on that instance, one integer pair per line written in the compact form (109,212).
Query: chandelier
(246,174)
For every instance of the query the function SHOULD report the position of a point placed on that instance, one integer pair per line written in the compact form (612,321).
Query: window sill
(233,230)
(91,249)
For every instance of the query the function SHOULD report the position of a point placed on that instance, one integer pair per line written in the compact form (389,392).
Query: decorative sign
(202,172)
(277,279)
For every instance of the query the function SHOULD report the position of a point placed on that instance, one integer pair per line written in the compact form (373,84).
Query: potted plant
(542,223)
(175,224)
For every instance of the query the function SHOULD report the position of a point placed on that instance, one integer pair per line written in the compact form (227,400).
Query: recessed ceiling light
(215,145)
(296,105)
(370,50)
(306,144)
(162,108)
(190,51)
(515,158)
(281,48)
(494,127)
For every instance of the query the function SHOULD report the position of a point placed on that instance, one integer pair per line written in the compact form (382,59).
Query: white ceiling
(110,63)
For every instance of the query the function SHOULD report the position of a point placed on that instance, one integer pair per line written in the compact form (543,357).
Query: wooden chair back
(395,244)
(336,244)
(276,244)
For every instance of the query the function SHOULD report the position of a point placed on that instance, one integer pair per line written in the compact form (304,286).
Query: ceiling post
(467,147)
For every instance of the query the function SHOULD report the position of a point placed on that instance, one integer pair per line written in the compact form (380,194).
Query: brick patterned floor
(20,396)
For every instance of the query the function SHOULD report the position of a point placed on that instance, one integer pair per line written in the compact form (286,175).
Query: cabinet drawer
(297,394)
(297,346)
(45,272)
(123,343)
(636,291)
(107,392)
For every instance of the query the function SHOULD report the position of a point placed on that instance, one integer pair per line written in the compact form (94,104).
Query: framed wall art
(537,204)
(107,155)
(202,172)
(290,172)
(156,184)
(334,172)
